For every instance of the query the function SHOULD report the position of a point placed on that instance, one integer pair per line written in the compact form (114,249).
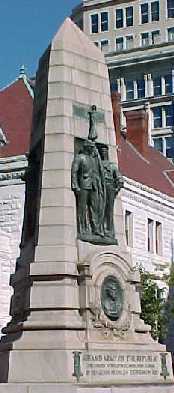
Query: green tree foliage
(171,277)
(153,305)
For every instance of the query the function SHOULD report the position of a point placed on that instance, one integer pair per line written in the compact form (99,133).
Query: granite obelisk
(76,323)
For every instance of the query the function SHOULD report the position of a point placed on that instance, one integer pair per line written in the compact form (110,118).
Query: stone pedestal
(64,388)
(63,336)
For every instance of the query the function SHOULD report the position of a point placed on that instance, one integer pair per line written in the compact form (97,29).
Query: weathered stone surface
(12,195)
(66,316)
(62,388)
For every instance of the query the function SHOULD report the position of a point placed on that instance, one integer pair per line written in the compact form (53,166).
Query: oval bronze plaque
(112,298)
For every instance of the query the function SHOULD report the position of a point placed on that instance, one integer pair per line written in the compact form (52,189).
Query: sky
(26,28)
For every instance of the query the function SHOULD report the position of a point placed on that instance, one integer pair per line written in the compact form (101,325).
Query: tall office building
(137,38)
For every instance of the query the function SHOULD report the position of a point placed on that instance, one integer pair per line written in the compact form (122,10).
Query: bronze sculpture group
(96,182)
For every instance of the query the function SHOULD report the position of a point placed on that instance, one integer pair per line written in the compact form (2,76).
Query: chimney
(137,129)
(116,106)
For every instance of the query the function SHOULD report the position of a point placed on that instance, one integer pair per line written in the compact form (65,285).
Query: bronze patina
(96,182)
(112,298)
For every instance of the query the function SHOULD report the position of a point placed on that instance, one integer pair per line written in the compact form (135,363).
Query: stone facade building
(147,197)
(137,38)
(15,127)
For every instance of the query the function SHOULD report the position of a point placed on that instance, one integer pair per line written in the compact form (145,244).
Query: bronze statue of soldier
(88,186)
(95,182)
(113,184)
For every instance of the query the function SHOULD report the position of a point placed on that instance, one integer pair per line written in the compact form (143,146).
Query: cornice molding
(150,194)
(12,169)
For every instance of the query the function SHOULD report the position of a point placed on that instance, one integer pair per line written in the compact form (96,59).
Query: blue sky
(26,28)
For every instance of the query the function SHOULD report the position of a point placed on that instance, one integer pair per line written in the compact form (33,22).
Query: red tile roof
(16,105)
(136,159)
(151,169)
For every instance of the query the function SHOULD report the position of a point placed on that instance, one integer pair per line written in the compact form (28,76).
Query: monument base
(64,388)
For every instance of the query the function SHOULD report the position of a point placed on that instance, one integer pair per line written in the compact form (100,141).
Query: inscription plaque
(107,367)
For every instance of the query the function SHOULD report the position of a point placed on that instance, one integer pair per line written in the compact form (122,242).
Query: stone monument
(75,311)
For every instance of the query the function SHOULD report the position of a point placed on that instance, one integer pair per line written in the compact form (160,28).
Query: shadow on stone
(21,281)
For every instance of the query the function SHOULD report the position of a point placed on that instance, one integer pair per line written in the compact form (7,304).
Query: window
(150,235)
(141,88)
(129,90)
(157,117)
(144,39)
(168,84)
(94,23)
(154,236)
(158,144)
(144,13)
(155,37)
(150,38)
(129,42)
(129,16)
(170,147)
(119,18)
(154,11)
(104,21)
(96,43)
(114,86)
(163,116)
(171,34)
(165,145)
(129,228)
(169,115)
(104,45)
(157,91)
(170,8)
(158,237)
(119,44)
(160,88)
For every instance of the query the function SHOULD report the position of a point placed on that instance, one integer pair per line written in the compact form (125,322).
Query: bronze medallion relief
(112,298)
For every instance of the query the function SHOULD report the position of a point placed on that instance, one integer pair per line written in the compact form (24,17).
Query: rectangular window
(171,34)
(104,21)
(150,235)
(158,144)
(141,88)
(158,236)
(114,86)
(170,8)
(157,87)
(144,39)
(144,13)
(157,117)
(129,90)
(104,45)
(170,147)
(155,37)
(155,10)
(129,16)
(119,44)
(94,23)
(129,228)
(119,18)
(129,42)
(96,43)
(169,115)
(168,84)
(165,145)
